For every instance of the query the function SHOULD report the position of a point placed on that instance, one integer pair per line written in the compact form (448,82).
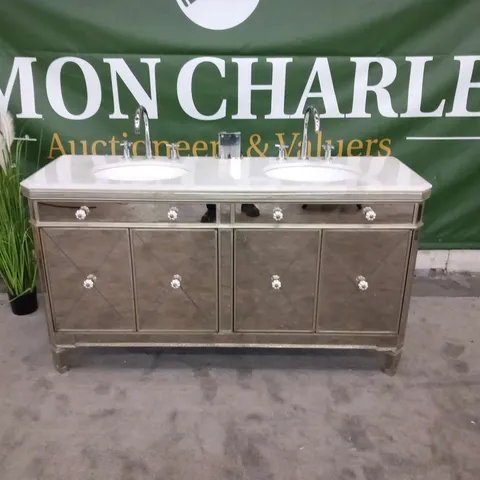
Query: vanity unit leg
(392,360)
(59,360)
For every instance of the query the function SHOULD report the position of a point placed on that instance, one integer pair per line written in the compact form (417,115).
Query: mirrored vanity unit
(126,260)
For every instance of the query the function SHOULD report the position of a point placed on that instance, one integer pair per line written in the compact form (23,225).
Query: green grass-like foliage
(18,266)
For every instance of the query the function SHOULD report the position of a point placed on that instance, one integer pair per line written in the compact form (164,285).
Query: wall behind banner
(390,77)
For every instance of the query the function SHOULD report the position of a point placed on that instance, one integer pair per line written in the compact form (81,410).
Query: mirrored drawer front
(148,212)
(367,214)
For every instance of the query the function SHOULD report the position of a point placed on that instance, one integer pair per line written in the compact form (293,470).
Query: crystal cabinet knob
(176,282)
(276,283)
(89,282)
(369,213)
(82,213)
(361,283)
(172,214)
(277,214)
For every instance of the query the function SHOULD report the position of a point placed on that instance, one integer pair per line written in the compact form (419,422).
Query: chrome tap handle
(369,213)
(328,147)
(126,149)
(82,213)
(173,151)
(281,151)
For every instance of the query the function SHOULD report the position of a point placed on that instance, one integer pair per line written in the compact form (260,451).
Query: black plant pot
(24,304)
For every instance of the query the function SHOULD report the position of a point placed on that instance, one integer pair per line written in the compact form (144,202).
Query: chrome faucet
(306,118)
(142,112)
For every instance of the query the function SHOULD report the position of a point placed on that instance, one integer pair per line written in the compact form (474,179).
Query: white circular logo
(218,14)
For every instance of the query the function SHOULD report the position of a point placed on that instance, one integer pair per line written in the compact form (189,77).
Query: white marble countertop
(216,180)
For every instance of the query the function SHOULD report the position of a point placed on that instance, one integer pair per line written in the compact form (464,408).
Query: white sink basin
(141,171)
(311,172)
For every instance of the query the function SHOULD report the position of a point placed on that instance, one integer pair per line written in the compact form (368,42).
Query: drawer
(365,214)
(146,212)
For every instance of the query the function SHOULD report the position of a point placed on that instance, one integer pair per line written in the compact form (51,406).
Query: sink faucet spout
(316,122)
(140,114)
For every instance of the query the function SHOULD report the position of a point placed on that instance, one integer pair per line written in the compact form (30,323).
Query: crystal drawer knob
(82,213)
(276,283)
(277,214)
(176,282)
(370,215)
(89,282)
(362,283)
(172,214)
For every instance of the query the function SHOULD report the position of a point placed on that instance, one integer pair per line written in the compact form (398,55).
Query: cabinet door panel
(71,256)
(380,258)
(290,255)
(159,256)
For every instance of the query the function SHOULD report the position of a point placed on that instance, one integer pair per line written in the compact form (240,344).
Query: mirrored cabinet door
(176,279)
(90,278)
(362,276)
(275,280)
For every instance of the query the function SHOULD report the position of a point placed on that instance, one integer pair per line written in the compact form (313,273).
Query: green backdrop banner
(390,77)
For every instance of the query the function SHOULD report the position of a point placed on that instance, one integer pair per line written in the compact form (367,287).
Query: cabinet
(315,277)
(175,279)
(275,280)
(89,277)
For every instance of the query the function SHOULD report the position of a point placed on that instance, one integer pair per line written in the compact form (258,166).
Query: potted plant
(18,267)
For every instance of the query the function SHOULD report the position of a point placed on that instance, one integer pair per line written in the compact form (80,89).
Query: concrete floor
(250,415)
